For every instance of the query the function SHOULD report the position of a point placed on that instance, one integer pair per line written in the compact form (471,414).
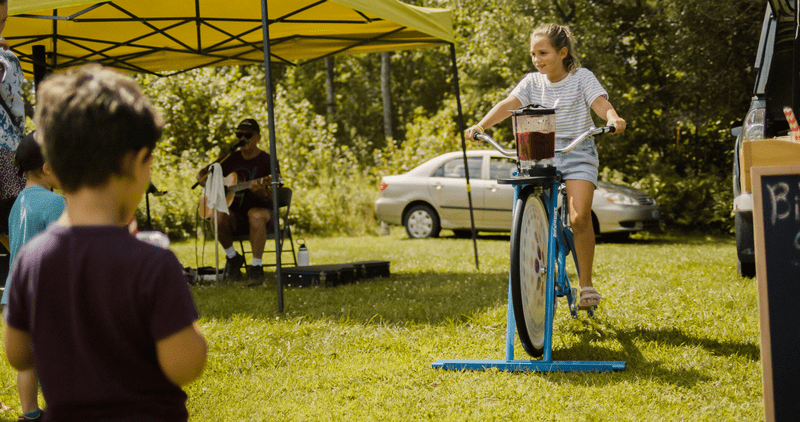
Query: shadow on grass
(677,338)
(643,238)
(593,338)
(428,298)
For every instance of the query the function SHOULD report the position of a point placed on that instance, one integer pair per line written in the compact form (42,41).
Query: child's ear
(143,155)
(47,169)
(135,160)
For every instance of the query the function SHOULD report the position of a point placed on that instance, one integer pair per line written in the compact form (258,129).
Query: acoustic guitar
(231,192)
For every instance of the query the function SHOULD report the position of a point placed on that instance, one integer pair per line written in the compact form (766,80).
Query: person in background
(107,320)
(12,126)
(252,212)
(35,208)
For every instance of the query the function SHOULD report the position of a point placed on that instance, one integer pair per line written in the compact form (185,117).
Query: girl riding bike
(562,84)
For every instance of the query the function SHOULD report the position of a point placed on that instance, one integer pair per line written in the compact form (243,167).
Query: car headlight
(619,198)
(754,124)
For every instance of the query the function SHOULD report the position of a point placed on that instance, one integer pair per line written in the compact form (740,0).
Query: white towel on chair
(215,190)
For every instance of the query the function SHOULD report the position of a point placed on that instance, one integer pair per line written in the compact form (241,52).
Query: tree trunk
(386,90)
(331,100)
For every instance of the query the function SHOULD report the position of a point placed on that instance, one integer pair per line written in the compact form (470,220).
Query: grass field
(675,311)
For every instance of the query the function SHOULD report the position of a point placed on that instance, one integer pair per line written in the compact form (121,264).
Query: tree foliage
(679,71)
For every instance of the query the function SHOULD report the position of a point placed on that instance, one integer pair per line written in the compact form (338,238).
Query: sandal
(589,297)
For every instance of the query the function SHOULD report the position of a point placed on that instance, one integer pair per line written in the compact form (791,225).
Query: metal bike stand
(546,364)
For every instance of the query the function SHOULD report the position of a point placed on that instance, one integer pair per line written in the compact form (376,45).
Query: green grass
(675,311)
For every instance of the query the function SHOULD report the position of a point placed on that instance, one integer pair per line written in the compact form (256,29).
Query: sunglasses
(245,135)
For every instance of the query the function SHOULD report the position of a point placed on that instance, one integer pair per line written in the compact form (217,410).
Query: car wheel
(463,233)
(746,269)
(616,237)
(422,222)
(745,247)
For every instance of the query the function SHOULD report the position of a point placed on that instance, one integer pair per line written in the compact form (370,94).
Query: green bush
(688,199)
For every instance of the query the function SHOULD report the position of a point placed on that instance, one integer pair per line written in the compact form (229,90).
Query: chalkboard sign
(776,220)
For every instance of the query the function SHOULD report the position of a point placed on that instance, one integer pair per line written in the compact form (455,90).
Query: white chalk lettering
(778,194)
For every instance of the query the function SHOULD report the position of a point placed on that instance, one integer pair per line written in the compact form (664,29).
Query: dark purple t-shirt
(95,300)
(254,168)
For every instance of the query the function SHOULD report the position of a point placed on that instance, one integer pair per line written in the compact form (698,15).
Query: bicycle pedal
(589,310)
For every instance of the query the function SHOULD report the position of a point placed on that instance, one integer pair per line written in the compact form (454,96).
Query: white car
(433,196)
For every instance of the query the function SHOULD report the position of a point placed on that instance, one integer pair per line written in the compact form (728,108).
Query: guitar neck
(244,185)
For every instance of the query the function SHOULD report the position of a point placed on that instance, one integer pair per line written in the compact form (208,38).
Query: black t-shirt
(95,301)
(255,168)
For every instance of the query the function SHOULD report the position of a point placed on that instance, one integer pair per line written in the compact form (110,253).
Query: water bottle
(154,238)
(302,255)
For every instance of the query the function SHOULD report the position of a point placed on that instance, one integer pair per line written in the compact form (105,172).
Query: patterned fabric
(11,184)
(12,128)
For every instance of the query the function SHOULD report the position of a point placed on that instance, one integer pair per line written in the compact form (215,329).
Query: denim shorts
(579,164)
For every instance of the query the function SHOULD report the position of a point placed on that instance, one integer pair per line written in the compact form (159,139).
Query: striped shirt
(572,97)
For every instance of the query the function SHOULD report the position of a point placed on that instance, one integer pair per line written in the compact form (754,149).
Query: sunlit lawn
(675,311)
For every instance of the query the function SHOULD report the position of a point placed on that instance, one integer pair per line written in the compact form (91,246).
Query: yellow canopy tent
(165,37)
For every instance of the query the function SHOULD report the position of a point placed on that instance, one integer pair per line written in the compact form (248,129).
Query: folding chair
(284,231)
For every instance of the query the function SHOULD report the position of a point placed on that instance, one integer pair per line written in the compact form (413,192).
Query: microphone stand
(151,189)
(214,221)
(220,160)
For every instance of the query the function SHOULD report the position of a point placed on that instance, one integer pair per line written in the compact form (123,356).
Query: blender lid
(533,110)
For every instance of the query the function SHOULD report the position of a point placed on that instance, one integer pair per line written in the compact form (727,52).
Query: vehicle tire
(746,269)
(745,245)
(616,237)
(421,222)
(463,233)
(529,241)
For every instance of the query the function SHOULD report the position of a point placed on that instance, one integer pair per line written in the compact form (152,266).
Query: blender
(535,133)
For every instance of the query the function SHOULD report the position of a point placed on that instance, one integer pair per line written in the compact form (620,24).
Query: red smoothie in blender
(535,146)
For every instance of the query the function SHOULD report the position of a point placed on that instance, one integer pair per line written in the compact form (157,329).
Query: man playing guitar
(253,210)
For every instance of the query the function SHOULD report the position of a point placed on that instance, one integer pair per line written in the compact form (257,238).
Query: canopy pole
(39,64)
(464,150)
(272,150)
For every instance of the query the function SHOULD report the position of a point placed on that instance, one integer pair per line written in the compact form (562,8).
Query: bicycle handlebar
(486,138)
(572,145)
(591,132)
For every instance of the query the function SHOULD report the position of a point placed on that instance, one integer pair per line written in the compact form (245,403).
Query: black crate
(333,274)
(347,273)
(313,275)
(372,269)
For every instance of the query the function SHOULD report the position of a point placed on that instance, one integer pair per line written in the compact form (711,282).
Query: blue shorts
(579,164)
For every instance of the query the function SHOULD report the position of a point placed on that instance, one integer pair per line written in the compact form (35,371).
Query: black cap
(250,124)
(29,155)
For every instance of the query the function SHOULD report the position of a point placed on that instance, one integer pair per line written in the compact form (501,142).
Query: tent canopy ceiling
(168,36)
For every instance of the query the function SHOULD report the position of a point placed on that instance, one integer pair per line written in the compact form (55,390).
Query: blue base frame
(547,364)
(529,365)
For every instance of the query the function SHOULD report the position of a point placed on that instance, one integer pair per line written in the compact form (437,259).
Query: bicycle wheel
(529,239)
